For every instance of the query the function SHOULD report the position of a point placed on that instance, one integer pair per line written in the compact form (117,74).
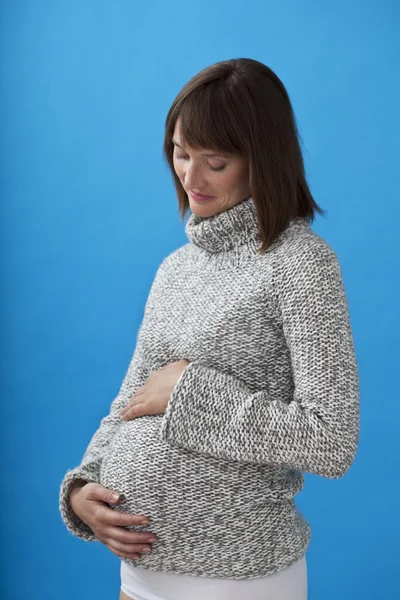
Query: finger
(132,402)
(141,390)
(119,519)
(97,492)
(124,536)
(137,410)
(128,548)
(134,556)
(127,407)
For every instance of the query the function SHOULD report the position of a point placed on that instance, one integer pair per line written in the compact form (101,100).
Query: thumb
(100,493)
(113,497)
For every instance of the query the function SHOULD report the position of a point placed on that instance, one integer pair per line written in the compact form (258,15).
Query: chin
(208,209)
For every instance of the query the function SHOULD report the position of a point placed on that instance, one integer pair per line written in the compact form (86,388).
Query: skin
(123,596)
(229,185)
(225,178)
(90,502)
(152,398)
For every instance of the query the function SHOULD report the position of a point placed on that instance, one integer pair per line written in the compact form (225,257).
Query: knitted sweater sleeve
(89,469)
(214,413)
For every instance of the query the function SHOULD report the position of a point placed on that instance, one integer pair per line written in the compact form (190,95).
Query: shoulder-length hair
(241,107)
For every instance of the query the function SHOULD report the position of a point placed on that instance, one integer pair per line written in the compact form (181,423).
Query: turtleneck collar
(226,230)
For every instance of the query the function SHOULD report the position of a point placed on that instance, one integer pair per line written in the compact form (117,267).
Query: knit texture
(271,391)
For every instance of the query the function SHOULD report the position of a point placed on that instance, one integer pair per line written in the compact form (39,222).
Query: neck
(226,230)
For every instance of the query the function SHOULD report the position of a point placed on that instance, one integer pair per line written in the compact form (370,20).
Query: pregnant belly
(150,475)
(170,483)
(154,478)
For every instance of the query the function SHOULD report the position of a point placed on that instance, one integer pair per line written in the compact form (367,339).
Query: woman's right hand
(90,502)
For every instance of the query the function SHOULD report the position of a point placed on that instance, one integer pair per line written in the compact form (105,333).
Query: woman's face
(223,179)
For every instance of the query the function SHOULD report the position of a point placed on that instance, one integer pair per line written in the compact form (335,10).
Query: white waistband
(144,584)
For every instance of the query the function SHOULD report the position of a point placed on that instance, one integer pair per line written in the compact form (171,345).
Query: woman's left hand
(152,398)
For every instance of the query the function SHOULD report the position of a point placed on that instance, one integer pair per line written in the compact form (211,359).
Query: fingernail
(114,497)
(145,522)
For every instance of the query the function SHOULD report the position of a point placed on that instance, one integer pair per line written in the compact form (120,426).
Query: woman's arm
(89,469)
(317,432)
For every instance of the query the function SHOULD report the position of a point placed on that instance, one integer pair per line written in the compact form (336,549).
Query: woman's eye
(185,157)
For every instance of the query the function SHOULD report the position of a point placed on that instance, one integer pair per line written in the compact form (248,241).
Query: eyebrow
(207,154)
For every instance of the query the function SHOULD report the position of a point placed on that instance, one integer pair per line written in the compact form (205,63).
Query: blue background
(88,211)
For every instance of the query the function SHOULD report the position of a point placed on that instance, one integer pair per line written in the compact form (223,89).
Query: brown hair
(241,107)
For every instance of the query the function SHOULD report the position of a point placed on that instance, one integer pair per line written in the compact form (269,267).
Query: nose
(194,178)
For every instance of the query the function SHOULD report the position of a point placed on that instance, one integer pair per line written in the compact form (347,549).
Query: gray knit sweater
(271,391)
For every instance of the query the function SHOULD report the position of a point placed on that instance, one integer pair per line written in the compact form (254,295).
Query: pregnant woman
(244,374)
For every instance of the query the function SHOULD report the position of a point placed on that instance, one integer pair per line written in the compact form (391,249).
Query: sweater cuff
(197,417)
(73,523)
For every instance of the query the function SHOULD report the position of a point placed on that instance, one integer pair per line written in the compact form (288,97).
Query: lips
(201,196)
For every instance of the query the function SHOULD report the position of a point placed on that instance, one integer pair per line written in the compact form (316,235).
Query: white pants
(143,584)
